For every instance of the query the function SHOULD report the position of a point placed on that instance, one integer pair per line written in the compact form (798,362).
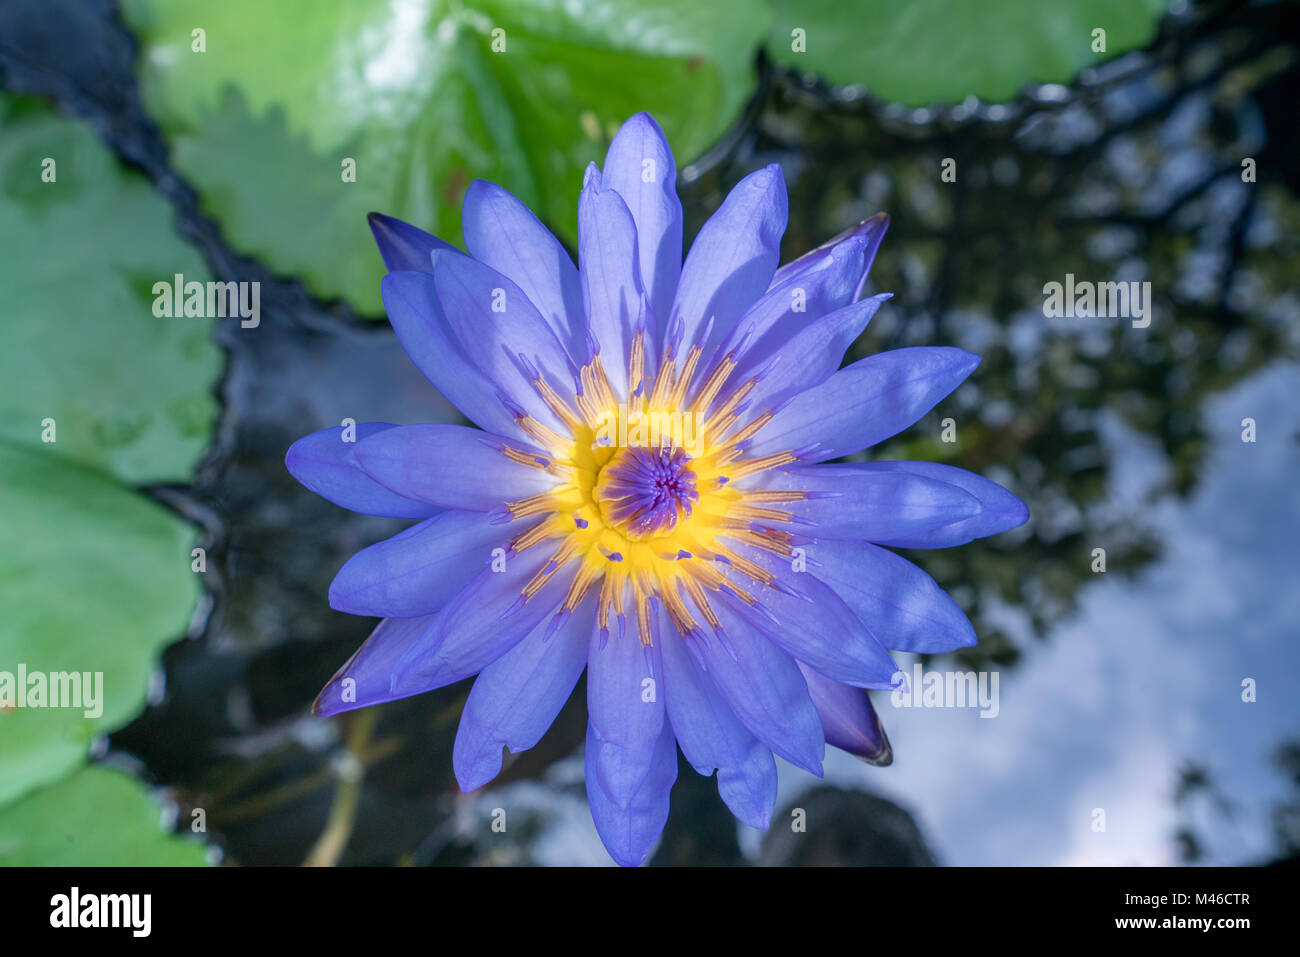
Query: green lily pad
(126,391)
(938,51)
(264,121)
(93,818)
(94,579)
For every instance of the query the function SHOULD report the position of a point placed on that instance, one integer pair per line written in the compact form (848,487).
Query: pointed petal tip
(1019,512)
(293,458)
(380,220)
(323,707)
(336,597)
(642,117)
(883,754)
(387,230)
(772,180)
(879,759)
(641,122)
(478,775)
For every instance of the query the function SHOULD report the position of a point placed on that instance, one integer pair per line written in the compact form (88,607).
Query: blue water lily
(648,495)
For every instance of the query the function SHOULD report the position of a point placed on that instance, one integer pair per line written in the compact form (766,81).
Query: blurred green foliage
(936,51)
(131,394)
(92,818)
(295,119)
(99,394)
(425,98)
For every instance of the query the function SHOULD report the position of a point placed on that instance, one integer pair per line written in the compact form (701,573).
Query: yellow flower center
(644,501)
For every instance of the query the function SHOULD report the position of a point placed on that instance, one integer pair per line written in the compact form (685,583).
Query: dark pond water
(1119,692)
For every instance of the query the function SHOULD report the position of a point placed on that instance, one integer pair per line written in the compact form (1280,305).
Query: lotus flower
(648,493)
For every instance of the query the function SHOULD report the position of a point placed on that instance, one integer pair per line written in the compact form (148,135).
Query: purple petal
(813,354)
(809,622)
(906,609)
(503,233)
(764,689)
(324,463)
(831,280)
(516,698)
(734,256)
(411,300)
(449,465)
(640,168)
(417,572)
(629,832)
(850,721)
(870,231)
(713,738)
(484,621)
(367,676)
(866,402)
(402,245)
(495,323)
(625,706)
(611,284)
(1000,510)
(853,500)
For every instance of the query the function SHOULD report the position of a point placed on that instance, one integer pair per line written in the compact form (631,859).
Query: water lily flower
(648,495)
